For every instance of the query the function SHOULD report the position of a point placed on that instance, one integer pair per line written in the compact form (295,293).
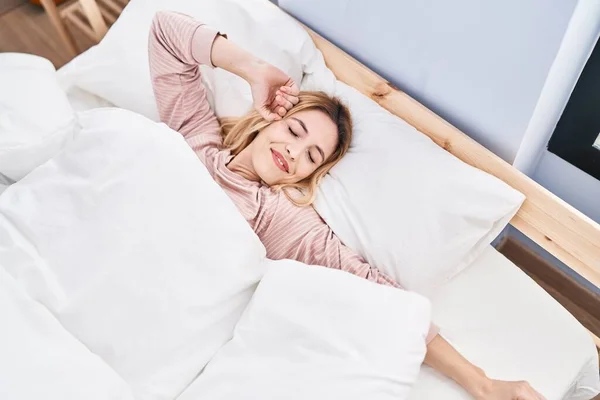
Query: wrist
(252,69)
(230,57)
(477,384)
(444,358)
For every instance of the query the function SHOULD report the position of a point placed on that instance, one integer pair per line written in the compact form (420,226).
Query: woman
(271,160)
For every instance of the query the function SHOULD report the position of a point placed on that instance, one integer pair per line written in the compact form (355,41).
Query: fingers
(278,109)
(526,392)
(285,102)
(282,104)
(269,115)
(285,99)
(289,97)
(291,88)
(290,94)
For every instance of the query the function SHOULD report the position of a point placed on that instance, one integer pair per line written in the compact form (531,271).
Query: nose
(293,151)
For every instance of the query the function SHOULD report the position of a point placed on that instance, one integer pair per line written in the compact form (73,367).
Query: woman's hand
(503,390)
(444,358)
(273,92)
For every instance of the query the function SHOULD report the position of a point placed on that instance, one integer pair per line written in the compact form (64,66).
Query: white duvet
(39,359)
(128,241)
(140,268)
(145,267)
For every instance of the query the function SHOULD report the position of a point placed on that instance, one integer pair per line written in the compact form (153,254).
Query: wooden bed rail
(556,226)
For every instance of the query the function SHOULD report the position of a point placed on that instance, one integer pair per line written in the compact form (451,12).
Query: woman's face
(290,150)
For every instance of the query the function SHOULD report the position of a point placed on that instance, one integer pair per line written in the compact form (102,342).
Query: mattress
(528,336)
(502,321)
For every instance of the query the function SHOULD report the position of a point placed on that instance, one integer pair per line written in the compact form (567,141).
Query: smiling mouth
(279,161)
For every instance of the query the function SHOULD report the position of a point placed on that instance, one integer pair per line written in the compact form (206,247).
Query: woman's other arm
(301,234)
(442,357)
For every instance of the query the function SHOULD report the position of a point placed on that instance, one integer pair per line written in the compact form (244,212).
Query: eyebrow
(301,123)
(306,130)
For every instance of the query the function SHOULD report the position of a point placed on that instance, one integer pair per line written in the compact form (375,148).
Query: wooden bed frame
(556,226)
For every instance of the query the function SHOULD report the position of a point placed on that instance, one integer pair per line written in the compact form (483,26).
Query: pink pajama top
(178,44)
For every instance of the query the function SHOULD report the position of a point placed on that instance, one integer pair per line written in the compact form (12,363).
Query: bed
(466,322)
(549,347)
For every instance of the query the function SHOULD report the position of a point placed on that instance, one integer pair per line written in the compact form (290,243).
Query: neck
(241,164)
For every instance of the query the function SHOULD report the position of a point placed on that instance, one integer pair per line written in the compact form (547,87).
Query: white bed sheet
(501,320)
(528,336)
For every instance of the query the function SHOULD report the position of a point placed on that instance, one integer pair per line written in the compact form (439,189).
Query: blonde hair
(239,132)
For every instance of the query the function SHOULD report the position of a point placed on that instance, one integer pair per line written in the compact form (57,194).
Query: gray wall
(574,186)
(479,64)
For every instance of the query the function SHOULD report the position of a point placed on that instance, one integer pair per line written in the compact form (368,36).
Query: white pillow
(118,70)
(130,243)
(408,206)
(39,359)
(317,333)
(36,119)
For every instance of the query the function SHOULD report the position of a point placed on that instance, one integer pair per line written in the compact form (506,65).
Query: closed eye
(292,132)
(310,157)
